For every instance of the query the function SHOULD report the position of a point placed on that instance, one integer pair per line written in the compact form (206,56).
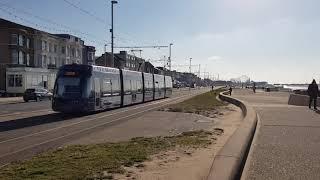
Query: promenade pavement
(287,140)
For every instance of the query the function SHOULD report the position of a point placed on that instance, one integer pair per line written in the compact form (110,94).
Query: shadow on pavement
(36,120)
(317,111)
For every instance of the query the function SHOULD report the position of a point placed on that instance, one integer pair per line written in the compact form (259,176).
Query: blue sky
(273,40)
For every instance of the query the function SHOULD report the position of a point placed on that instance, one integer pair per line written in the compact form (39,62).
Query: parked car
(36,94)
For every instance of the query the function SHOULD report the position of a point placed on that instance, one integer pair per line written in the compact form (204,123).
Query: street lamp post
(190,74)
(111,30)
(170,56)
(105,55)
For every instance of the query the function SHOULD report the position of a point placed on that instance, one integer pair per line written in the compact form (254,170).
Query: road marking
(86,129)
(91,119)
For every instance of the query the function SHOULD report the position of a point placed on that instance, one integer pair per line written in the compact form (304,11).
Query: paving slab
(287,143)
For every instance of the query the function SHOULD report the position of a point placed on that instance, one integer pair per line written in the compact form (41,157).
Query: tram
(87,88)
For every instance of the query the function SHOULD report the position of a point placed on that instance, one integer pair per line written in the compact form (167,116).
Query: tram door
(97,92)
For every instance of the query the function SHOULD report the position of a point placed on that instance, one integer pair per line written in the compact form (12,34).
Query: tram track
(27,145)
(6,116)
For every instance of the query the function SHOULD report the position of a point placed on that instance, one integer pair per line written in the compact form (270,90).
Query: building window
(78,53)
(15,80)
(44,45)
(50,47)
(73,52)
(14,56)
(11,81)
(63,49)
(90,56)
(28,43)
(39,61)
(55,49)
(20,40)
(44,61)
(14,39)
(21,55)
(28,59)
(49,60)
(68,51)
(18,81)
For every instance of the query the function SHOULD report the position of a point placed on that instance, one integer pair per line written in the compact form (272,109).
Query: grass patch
(99,161)
(202,102)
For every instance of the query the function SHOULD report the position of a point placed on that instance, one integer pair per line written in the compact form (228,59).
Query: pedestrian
(254,88)
(230,90)
(313,92)
(211,88)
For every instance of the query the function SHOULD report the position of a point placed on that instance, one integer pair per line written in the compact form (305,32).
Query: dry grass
(202,102)
(99,161)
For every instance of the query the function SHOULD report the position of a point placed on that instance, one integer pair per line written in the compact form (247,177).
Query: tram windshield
(69,86)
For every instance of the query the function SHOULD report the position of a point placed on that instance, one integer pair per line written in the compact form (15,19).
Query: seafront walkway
(287,140)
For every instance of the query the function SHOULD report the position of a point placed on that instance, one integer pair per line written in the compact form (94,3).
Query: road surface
(24,133)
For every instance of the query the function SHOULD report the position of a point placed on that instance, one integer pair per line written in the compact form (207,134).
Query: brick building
(29,57)
(16,48)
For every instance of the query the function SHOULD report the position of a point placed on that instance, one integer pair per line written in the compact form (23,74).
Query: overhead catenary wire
(58,27)
(101,20)
(66,29)
(95,17)
(85,11)
(47,28)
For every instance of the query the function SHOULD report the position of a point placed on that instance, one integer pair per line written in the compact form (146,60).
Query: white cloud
(214,58)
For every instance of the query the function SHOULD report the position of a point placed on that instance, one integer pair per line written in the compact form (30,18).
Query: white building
(55,50)
(50,52)
(21,78)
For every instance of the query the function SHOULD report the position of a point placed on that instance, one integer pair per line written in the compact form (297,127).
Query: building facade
(16,48)
(89,55)
(30,58)
(105,60)
(72,49)
(123,60)
(21,78)
(131,62)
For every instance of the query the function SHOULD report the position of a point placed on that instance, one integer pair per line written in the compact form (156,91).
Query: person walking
(254,87)
(230,90)
(313,92)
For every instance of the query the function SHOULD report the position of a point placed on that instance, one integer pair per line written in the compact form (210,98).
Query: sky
(267,40)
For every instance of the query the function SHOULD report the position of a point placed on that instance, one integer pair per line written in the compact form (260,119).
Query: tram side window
(161,84)
(88,88)
(150,85)
(169,83)
(115,86)
(139,86)
(106,88)
(147,86)
(133,85)
(127,86)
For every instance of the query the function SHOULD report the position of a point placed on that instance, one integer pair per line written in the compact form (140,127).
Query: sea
(296,87)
